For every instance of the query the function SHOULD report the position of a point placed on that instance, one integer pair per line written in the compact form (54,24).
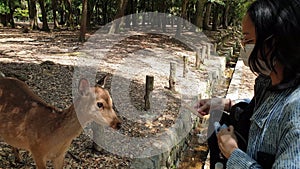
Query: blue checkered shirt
(275,129)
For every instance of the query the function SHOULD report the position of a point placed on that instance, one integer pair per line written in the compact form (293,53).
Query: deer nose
(116,124)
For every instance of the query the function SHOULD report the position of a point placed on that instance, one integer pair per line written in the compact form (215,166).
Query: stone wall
(214,66)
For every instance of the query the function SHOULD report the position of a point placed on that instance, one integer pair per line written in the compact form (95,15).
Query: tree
(199,13)
(70,19)
(183,15)
(215,17)
(45,26)
(226,14)
(33,14)
(83,21)
(115,28)
(54,10)
(207,16)
(13,4)
(4,10)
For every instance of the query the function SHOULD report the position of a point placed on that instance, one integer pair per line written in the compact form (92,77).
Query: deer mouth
(116,124)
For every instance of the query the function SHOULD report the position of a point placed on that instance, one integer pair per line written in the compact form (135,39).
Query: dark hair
(277,26)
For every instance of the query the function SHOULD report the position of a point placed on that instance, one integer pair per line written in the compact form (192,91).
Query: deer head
(95,104)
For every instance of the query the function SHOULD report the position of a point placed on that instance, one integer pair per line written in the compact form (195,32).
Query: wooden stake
(203,56)
(172,78)
(185,62)
(148,90)
(215,48)
(198,54)
(208,50)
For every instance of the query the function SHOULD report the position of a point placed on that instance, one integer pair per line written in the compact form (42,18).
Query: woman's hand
(227,141)
(204,105)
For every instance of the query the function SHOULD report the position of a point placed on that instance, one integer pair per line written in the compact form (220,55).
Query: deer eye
(100,105)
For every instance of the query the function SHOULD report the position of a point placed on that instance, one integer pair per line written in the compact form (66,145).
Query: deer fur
(27,122)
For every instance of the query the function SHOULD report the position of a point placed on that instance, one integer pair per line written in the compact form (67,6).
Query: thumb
(203,108)
(231,129)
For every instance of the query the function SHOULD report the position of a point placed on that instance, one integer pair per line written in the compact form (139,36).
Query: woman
(274,135)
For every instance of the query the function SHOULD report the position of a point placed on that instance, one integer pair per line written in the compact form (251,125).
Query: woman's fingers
(203,106)
(203,109)
(227,141)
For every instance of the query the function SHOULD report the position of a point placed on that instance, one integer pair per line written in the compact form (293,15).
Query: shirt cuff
(239,159)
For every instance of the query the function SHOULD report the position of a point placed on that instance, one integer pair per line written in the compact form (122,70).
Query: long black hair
(277,26)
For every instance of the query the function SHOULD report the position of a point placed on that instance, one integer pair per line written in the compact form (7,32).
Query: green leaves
(220,2)
(21,13)
(3,8)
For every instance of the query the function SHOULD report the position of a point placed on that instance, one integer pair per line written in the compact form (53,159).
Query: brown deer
(27,122)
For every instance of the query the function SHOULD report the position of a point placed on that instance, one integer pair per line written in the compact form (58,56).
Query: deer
(28,122)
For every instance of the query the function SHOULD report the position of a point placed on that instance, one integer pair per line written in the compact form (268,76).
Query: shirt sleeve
(288,154)
(239,159)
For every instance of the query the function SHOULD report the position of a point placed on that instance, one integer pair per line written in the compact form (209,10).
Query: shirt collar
(294,82)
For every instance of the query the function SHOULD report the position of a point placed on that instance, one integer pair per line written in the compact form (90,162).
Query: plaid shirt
(275,130)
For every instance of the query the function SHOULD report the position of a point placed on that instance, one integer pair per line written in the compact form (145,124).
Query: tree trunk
(104,12)
(143,9)
(207,16)
(54,10)
(70,20)
(134,13)
(199,13)
(97,8)
(128,13)
(215,21)
(33,14)
(83,21)
(90,13)
(226,14)
(11,14)
(181,20)
(115,28)
(44,16)
(163,18)
(62,14)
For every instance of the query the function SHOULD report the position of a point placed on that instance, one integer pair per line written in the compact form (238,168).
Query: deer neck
(71,126)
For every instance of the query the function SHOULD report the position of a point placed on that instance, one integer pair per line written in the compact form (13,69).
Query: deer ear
(84,86)
(102,81)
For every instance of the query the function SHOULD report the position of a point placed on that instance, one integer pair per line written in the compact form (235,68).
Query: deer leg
(58,162)
(17,155)
(40,160)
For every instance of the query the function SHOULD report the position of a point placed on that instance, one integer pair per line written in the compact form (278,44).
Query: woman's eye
(100,105)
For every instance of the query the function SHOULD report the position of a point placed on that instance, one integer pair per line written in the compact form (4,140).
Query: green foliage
(220,2)
(3,7)
(21,13)
(15,3)
(240,8)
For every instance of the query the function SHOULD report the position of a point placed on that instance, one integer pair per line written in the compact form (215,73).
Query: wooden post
(185,62)
(208,50)
(203,52)
(148,90)
(198,54)
(215,48)
(172,78)
(231,52)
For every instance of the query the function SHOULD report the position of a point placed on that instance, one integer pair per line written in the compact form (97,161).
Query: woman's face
(249,39)
(248,30)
